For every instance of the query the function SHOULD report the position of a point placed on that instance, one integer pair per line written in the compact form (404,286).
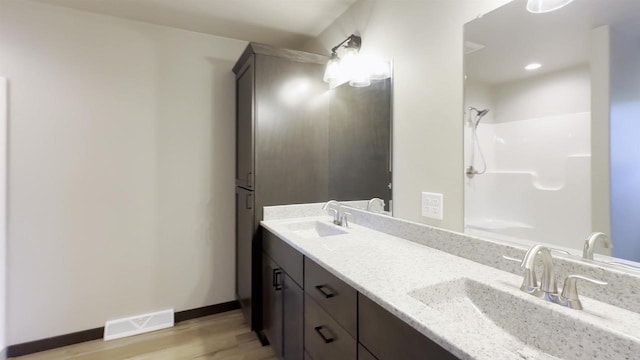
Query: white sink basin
(524,326)
(314,229)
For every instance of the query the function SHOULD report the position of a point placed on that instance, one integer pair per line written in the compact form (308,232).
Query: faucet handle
(345,216)
(570,290)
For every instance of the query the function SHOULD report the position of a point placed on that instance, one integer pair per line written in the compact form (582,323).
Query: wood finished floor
(221,336)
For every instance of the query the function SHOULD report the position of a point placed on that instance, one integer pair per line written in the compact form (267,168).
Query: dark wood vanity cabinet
(388,338)
(272,304)
(308,313)
(364,354)
(324,338)
(282,297)
(334,296)
(331,313)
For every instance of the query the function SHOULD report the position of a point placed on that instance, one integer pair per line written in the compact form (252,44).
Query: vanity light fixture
(346,64)
(333,67)
(533,66)
(337,67)
(544,6)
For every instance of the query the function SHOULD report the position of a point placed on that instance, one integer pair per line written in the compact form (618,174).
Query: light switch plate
(432,204)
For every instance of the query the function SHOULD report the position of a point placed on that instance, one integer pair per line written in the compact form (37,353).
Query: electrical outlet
(432,204)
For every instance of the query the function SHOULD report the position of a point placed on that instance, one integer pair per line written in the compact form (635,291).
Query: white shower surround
(537,184)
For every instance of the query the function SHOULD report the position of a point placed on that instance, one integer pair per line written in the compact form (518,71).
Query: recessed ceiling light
(533,66)
(544,6)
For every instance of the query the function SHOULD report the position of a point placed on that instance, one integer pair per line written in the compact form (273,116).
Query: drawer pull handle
(276,279)
(328,294)
(327,340)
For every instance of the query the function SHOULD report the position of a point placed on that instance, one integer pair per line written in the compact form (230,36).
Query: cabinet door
(291,126)
(245,125)
(389,338)
(293,315)
(244,246)
(272,286)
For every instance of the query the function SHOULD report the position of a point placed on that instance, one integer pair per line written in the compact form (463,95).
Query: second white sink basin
(525,326)
(314,229)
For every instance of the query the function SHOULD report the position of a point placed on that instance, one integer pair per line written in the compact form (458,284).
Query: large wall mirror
(360,144)
(360,124)
(552,125)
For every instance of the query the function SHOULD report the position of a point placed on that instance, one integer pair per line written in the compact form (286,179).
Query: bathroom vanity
(338,321)
(385,288)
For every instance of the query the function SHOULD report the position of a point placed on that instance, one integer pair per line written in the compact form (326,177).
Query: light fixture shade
(380,70)
(332,71)
(360,82)
(349,61)
(360,79)
(360,73)
(543,6)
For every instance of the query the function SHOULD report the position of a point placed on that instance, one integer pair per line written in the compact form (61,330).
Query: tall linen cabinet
(282,114)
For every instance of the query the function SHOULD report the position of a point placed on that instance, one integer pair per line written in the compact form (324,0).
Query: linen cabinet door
(245,128)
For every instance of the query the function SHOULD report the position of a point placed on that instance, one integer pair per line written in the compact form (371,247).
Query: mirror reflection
(551,125)
(360,145)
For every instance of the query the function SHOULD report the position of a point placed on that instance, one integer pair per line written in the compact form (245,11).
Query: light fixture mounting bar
(353,41)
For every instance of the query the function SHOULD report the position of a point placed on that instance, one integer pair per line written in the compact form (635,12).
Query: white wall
(120,168)
(565,91)
(425,41)
(625,148)
(4,98)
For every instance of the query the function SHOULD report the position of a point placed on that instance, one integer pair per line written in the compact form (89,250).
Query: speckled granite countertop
(394,272)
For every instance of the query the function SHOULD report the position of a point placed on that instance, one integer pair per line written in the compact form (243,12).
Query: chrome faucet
(548,289)
(529,284)
(590,244)
(333,207)
(373,201)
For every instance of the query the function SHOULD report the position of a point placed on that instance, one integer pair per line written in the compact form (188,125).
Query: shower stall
(527,167)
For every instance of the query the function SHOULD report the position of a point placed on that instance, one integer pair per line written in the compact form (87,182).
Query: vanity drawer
(324,339)
(288,258)
(386,336)
(337,298)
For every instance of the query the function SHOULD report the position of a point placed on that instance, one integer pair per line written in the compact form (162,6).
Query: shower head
(479,113)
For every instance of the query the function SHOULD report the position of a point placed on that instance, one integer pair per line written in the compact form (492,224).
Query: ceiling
(287,23)
(561,39)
